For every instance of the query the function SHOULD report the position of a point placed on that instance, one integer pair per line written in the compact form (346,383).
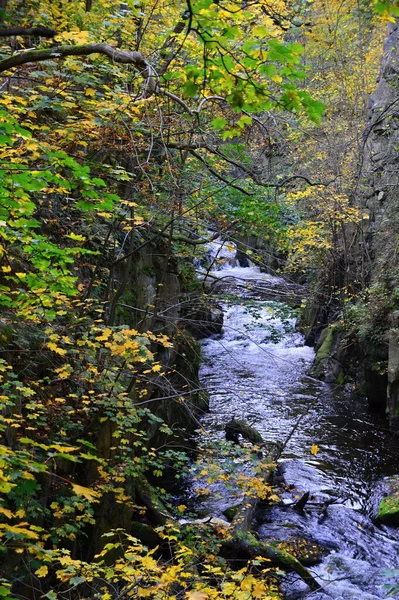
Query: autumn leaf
(42,572)
(314,449)
(90,495)
(7,513)
(259,590)
(196,595)
(52,346)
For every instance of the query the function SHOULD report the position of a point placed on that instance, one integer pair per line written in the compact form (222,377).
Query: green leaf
(219,123)
(191,88)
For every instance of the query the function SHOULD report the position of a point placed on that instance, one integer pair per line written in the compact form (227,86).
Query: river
(257,370)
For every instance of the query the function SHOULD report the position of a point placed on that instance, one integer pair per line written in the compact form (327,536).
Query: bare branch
(218,175)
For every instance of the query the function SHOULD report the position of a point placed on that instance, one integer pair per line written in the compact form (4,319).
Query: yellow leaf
(87,493)
(42,572)
(314,449)
(197,595)
(56,349)
(19,530)
(259,590)
(63,449)
(149,562)
(90,92)
(7,513)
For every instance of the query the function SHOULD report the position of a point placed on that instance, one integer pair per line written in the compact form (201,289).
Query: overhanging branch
(39,31)
(218,175)
(118,56)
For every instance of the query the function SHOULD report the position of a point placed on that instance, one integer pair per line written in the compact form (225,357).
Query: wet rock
(203,319)
(393,377)
(243,259)
(231,512)
(327,365)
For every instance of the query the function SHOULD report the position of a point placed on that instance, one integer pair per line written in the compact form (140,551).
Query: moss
(327,345)
(388,511)
(231,512)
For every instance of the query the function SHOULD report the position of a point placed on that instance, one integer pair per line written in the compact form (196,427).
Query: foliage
(104,154)
(98,160)
(343,48)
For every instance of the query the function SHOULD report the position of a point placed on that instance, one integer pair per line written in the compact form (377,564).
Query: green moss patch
(388,511)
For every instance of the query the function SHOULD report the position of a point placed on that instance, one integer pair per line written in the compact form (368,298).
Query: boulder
(202,319)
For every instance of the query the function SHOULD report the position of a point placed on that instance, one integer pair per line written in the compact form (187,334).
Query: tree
(107,137)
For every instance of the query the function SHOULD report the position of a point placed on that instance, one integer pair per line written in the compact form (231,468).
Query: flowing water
(257,370)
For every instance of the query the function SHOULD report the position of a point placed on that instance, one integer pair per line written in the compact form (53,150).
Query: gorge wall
(381,198)
(366,349)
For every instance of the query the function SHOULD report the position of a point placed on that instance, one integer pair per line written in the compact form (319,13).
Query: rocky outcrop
(380,196)
(202,317)
(367,352)
(268,258)
(154,299)
(328,364)
(393,377)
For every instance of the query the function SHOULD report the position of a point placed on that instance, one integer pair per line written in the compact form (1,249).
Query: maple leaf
(90,495)
(42,571)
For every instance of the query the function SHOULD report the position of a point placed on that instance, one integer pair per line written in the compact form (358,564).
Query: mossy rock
(326,344)
(146,534)
(308,553)
(388,512)
(231,512)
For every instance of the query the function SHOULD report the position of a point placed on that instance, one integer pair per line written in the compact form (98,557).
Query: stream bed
(257,370)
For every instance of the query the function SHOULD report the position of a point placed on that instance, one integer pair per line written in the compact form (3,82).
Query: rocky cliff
(364,346)
(379,194)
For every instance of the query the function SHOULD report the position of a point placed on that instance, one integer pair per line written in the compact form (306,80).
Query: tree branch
(133,58)
(40,31)
(218,175)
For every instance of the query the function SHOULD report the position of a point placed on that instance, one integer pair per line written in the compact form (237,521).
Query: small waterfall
(221,254)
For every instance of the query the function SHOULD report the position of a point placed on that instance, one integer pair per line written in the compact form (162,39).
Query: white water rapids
(256,370)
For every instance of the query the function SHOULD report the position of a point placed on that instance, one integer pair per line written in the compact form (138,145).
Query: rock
(203,320)
(388,512)
(393,377)
(243,259)
(231,512)
(327,365)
